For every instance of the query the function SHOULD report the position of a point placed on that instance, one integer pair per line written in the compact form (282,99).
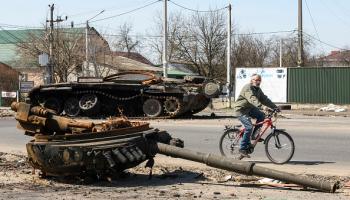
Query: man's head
(255,80)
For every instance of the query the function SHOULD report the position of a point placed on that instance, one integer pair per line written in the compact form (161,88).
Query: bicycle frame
(266,123)
(272,141)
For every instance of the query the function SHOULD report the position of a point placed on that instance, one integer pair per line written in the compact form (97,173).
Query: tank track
(182,108)
(168,115)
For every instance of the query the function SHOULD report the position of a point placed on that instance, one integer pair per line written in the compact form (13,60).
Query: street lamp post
(86,71)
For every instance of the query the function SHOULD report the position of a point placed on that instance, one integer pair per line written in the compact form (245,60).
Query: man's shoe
(244,153)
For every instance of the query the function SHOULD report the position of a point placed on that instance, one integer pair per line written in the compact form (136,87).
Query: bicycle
(277,142)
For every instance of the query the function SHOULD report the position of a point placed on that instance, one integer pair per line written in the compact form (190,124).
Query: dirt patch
(180,180)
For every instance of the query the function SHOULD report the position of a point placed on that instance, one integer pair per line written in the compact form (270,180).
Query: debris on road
(17,182)
(6,112)
(269,180)
(333,108)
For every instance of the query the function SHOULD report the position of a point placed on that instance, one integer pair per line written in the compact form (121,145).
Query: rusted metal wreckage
(64,147)
(133,93)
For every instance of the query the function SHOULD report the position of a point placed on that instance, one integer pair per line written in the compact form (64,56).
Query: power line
(325,43)
(18,26)
(313,22)
(265,33)
(190,9)
(127,12)
(334,14)
(155,36)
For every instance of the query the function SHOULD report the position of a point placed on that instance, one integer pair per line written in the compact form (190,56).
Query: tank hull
(127,97)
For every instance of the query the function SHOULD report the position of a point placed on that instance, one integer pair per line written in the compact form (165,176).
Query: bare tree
(125,42)
(290,52)
(198,41)
(203,43)
(250,51)
(68,50)
(176,23)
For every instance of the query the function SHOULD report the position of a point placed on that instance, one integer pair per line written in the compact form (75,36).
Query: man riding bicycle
(249,105)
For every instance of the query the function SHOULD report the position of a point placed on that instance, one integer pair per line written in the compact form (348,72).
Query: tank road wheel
(54,104)
(90,104)
(71,107)
(172,106)
(152,107)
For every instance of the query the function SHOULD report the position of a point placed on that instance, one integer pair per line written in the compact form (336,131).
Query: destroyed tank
(65,147)
(132,94)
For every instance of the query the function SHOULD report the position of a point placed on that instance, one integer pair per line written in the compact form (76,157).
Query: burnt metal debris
(132,94)
(66,147)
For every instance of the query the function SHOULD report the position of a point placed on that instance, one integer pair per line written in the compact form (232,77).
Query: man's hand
(277,109)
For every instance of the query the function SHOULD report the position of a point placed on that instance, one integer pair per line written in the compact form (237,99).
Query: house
(336,58)
(8,82)
(12,41)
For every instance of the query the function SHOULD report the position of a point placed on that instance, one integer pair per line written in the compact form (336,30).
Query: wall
(319,85)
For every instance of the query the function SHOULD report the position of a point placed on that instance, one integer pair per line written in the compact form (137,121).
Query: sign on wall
(274,81)
(26,86)
(8,94)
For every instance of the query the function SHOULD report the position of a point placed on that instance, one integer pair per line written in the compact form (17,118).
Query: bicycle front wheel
(229,143)
(279,147)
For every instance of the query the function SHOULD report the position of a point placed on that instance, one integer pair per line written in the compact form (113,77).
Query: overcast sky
(331,17)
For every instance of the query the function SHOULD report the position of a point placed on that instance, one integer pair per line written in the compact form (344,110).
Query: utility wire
(346,11)
(336,15)
(326,43)
(156,36)
(266,33)
(127,12)
(190,9)
(19,26)
(313,22)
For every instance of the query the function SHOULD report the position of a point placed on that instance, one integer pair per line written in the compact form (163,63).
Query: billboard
(26,86)
(274,82)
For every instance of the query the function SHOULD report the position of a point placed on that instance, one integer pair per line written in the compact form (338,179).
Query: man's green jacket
(250,97)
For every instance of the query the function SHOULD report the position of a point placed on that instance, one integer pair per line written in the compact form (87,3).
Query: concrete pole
(86,66)
(300,34)
(19,86)
(281,52)
(50,66)
(228,73)
(165,40)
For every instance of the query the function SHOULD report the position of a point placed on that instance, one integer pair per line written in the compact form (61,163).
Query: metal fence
(319,85)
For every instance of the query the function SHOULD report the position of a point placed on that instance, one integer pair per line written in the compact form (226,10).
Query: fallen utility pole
(244,167)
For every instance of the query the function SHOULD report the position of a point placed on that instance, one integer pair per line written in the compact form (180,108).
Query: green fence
(319,85)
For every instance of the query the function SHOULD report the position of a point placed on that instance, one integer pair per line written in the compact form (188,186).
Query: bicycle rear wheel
(229,143)
(279,147)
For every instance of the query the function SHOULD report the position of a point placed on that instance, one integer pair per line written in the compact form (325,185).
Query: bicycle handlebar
(272,112)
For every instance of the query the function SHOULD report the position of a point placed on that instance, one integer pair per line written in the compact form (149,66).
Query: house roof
(126,64)
(17,36)
(337,56)
(10,39)
(134,56)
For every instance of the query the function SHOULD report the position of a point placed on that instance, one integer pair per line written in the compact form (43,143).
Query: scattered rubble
(18,182)
(333,108)
(6,112)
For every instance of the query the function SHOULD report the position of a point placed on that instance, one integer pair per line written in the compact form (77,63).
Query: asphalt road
(322,143)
